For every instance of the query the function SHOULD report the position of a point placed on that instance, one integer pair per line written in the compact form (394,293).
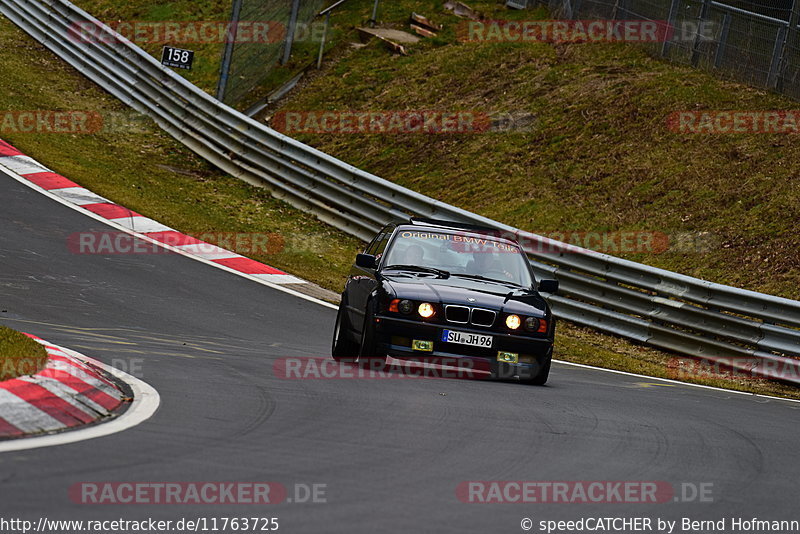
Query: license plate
(465,338)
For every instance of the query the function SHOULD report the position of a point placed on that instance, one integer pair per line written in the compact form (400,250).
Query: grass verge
(19,355)
(149,172)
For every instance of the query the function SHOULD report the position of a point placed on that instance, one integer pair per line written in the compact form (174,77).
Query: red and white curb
(39,175)
(66,393)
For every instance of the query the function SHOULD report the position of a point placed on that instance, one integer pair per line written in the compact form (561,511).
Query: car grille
(465,315)
(482,317)
(457,314)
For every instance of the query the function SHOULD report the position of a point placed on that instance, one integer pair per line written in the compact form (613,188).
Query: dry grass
(601,158)
(19,355)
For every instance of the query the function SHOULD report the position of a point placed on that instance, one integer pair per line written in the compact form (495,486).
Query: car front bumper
(394,337)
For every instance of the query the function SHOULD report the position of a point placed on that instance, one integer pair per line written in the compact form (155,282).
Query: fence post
(567,8)
(700,27)
(230,36)
(576,9)
(775,62)
(374,19)
(723,40)
(671,18)
(324,36)
(790,45)
(287,47)
(614,10)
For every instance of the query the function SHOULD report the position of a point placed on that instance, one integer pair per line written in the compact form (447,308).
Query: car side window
(373,245)
(382,242)
(378,245)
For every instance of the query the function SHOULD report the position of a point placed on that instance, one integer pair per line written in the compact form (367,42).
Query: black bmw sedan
(442,292)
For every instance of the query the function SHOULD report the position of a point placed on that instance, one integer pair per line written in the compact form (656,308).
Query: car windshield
(460,254)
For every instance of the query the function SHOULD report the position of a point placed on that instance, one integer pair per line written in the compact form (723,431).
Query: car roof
(438,225)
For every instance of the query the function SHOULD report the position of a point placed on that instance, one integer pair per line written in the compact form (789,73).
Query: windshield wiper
(439,272)
(479,277)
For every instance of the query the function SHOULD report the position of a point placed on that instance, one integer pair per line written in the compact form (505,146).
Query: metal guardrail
(749,331)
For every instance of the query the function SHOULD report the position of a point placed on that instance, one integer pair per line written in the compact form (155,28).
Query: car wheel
(368,354)
(343,348)
(540,378)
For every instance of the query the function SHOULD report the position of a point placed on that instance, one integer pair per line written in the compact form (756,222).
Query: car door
(362,280)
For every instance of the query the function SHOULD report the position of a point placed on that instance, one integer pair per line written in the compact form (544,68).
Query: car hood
(456,290)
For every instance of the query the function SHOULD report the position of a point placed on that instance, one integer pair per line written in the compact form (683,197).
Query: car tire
(343,348)
(540,378)
(368,354)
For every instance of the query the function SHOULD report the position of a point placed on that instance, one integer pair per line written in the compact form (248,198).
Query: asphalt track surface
(390,452)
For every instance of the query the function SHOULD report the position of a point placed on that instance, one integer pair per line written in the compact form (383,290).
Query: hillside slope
(600,157)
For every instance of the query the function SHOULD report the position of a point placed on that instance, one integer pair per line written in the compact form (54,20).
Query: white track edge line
(146,401)
(676,382)
(30,184)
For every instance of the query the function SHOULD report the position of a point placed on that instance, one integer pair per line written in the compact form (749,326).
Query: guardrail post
(701,23)
(287,47)
(671,18)
(324,36)
(775,62)
(230,37)
(723,40)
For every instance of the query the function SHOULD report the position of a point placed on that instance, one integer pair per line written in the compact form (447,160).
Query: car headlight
(532,324)
(405,306)
(513,322)
(426,310)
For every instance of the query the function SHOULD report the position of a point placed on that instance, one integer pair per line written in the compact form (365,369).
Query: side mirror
(548,286)
(367,261)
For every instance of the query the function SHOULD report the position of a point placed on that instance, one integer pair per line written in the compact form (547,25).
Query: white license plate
(465,338)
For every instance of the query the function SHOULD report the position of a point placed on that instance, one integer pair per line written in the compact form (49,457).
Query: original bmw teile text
(685,525)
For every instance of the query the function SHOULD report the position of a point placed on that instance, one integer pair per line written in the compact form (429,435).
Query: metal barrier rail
(746,330)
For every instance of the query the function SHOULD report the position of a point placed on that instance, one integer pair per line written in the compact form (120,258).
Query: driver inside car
(414,255)
(484,261)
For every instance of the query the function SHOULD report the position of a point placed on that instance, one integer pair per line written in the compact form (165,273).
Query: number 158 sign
(177,58)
